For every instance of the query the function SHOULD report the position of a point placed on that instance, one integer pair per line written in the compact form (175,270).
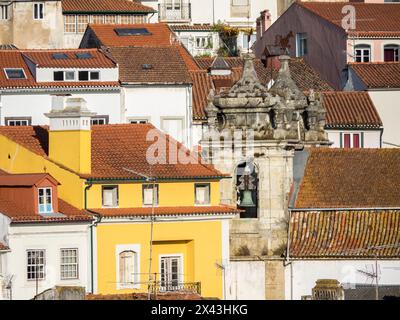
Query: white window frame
(20,69)
(199,185)
(95,71)
(118,250)
(75,265)
(155,199)
(181,277)
(105,119)
(4,12)
(137,120)
(45,200)
(36,266)
(300,52)
(363,48)
(102,196)
(36,9)
(394,47)
(360,139)
(26,120)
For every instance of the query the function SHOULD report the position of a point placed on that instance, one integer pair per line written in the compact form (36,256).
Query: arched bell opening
(247,189)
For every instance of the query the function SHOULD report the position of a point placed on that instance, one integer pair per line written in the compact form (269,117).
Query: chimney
(70,135)
(259,28)
(265,20)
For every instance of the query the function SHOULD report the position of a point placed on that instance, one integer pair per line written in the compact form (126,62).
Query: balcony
(186,287)
(174,12)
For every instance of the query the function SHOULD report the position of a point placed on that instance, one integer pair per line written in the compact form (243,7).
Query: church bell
(247,199)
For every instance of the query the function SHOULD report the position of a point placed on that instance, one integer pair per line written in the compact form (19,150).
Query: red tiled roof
(115,147)
(15,59)
(343,234)
(202,84)
(104,6)
(160,36)
(3,247)
(167,65)
(18,214)
(378,74)
(373,18)
(350,110)
(45,59)
(194,27)
(23,180)
(167,211)
(350,178)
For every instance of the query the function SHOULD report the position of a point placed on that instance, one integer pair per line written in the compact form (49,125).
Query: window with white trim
(38,11)
(351,140)
(36,263)
(138,120)
(391,52)
(150,194)
(99,120)
(202,193)
(4,12)
(15,73)
(18,121)
(69,264)
(64,75)
(203,42)
(70,23)
(301,44)
(110,196)
(171,273)
(128,268)
(82,21)
(362,53)
(45,200)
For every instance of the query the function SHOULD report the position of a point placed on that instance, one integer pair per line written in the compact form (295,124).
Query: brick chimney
(259,28)
(265,20)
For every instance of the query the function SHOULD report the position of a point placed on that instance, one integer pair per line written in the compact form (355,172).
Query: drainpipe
(92,226)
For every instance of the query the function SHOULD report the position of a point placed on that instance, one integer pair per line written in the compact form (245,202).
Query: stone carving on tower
(252,135)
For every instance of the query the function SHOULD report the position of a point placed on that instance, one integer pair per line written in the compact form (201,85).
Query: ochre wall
(198,241)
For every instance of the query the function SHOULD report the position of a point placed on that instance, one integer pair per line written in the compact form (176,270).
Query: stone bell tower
(252,134)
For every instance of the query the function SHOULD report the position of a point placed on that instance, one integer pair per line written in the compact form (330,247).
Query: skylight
(84,55)
(132,31)
(60,56)
(15,73)
(147,66)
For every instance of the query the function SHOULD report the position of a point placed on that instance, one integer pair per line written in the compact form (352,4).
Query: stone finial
(328,289)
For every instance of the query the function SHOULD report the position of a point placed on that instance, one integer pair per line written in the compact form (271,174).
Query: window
(171,273)
(149,196)
(3,12)
(58,75)
(173,127)
(132,31)
(82,21)
(38,11)
(203,42)
(18,121)
(99,120)
(110,196)
(202,193)
(110,19)
(15,73)
(362,53)
(70,23)
(69,264)
(94,75)
(64,75)
(301,44)
(97,19)
(45,200)
(83,75)
(138,121)
(36,263)
(127,267)
(391,52)
(69,75)
(240,8)
(351,140)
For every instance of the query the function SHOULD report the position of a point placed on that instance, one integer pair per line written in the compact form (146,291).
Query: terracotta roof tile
(341,234)
(104,6)
(378,74)
(45,59)
(202,84)
(350,110)
(20,180)
(164,65)
(194,27)
(350,178)
(167,211)
(115,147)
(373,18)
(160,36)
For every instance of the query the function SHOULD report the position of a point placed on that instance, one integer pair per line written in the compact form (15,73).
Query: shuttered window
(110,196)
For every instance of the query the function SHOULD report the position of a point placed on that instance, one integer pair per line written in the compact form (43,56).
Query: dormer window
(64,75)
(45,200)
(15,73)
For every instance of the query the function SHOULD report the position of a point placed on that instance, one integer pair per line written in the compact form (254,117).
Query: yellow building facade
(189,241)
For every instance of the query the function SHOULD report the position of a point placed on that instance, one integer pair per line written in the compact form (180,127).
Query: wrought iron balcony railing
(190,287)
(174,13)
